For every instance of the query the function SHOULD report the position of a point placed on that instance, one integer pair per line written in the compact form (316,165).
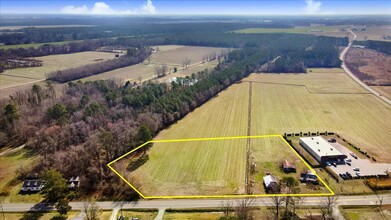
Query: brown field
(370,66)
(42,26)
(21,76)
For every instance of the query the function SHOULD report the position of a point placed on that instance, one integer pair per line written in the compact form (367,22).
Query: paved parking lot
(367,168)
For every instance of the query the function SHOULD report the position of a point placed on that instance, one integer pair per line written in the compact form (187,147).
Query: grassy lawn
(8,171)
(192,215)
(36,215)
(367,212)
(268,153)
(13,77)
(144,215)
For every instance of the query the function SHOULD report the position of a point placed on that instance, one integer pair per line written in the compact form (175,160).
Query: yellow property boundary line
(220,196)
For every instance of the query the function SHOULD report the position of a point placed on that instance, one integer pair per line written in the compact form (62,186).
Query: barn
(321,150)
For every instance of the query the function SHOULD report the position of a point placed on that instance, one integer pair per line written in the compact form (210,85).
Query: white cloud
(149,8)
(70,9)
(101,8)
(312,7)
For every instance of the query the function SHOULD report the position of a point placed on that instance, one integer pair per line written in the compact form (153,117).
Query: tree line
(133,56)
(381,46)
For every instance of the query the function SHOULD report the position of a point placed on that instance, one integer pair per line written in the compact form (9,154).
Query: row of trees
(133,56)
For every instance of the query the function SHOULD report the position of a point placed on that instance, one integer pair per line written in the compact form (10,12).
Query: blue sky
(203,7)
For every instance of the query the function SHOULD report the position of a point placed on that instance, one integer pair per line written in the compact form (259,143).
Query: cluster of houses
(34,185)
(272,184)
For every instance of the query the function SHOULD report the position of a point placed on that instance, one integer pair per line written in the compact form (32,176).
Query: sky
(200,7)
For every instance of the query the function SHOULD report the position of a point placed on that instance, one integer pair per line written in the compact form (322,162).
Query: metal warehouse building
(321,150)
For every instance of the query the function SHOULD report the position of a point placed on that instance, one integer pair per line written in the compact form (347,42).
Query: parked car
(334,164)
(348,160)
(358,173)
(328,164)
(356,169)
(349,175)
(348,163)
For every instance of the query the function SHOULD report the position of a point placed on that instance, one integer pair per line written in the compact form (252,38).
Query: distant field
(371,33)
(35,45)
(296,30)
(174,55)
(20,76)
(42,26)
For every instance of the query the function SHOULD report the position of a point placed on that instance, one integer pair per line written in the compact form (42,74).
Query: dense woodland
(381,46)
(89,124)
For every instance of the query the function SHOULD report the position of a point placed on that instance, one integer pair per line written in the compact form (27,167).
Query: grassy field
(20,76)
(199,168)
(173,54)
(384,90)
(367,212)
(360,118)
(8,171)
(321,100)
(144,215)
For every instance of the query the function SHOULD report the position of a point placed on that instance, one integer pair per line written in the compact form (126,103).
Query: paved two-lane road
(205,203)
(346,69)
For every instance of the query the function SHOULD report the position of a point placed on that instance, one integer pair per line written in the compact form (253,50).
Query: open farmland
(370,33)
(174,55)
(20,76)
(321,100)
(361,118)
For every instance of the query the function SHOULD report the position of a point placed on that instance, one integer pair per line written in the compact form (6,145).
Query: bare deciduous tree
(277,202)
(226,208)
(243,209)
(91,210)
(326,206)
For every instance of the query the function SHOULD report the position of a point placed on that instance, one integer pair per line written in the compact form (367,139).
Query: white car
(356,169)
(348,160)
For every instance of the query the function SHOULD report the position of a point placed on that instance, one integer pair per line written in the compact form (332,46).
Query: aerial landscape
(152,109)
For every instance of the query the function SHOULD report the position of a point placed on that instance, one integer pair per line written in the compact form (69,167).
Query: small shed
(288,167)
(271,184)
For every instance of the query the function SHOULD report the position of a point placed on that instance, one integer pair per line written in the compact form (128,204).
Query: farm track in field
(248,145)
(309,91)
